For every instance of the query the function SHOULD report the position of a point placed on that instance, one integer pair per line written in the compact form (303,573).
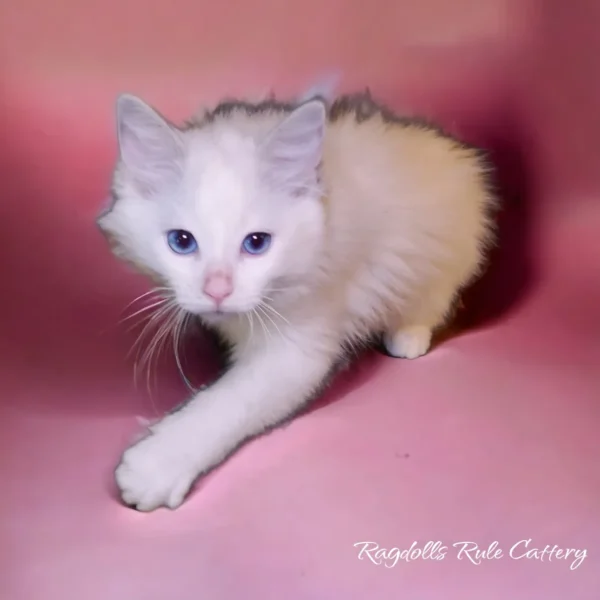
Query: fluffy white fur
(376,225)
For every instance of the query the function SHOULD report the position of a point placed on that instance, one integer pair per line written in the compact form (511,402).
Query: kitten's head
(225,214)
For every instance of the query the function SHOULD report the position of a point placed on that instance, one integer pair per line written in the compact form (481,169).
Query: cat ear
(151,148)
(292,152)
(324,88)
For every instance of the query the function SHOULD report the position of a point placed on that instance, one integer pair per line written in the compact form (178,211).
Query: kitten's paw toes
(155,472)
(408,342)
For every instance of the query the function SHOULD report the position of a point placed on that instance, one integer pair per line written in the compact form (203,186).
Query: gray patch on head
(270,105)
(230,106)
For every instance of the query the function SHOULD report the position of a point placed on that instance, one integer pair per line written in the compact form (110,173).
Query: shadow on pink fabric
(491,440)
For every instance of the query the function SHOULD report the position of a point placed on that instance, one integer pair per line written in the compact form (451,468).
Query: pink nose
(218,285)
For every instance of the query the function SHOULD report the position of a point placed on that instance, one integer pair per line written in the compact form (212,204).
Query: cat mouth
(222,312)
(218,312)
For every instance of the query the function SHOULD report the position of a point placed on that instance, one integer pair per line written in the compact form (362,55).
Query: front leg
(268,383)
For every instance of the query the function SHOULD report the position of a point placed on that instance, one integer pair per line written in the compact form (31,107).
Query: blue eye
(256,243)
(181,241)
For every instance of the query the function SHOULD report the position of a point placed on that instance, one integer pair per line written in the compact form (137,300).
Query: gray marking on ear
(151,148)
(323,88)
(293,151)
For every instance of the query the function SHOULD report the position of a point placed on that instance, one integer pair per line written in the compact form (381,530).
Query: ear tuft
(324,88)
(151,148)
(293,152)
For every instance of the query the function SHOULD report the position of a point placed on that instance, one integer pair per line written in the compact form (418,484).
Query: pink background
(492,436)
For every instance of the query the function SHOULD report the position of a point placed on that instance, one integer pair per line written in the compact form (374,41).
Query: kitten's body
(378,224)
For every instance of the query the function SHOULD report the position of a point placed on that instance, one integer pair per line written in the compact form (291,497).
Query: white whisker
(269,290)
(162,311)
(155,290)
(144,309)
(139,364)
(276,313)
(264,312)
(158,338)
(262,323)
(181,324)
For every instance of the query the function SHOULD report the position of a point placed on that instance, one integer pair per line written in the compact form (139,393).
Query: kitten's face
(225,220)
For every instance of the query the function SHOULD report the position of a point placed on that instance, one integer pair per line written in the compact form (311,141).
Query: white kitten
(294,230)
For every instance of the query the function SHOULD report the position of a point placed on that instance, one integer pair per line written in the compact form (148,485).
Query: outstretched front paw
(157,471)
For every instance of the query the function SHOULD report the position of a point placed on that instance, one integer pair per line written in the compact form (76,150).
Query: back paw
(408,342)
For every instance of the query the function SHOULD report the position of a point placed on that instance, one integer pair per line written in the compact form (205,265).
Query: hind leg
(409,335)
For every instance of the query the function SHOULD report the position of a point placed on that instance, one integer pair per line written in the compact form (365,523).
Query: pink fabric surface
(491,437)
